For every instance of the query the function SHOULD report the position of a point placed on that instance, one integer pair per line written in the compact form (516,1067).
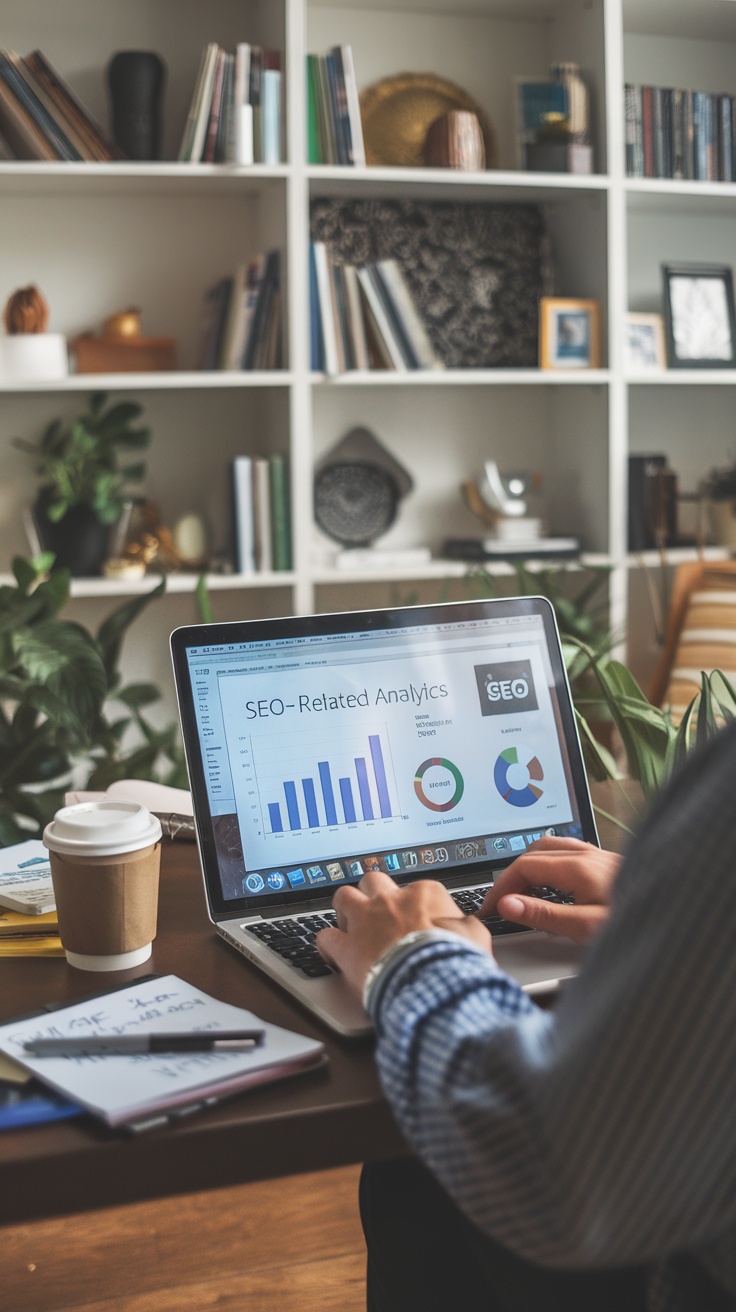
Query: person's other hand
(375,913)
(566,864)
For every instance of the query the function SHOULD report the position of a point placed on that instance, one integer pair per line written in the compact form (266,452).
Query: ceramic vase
(578,103)
(136,81)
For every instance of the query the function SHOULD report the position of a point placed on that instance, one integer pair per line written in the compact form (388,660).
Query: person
(582,1158)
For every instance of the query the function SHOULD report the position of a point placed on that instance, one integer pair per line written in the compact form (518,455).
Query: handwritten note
(125,1088)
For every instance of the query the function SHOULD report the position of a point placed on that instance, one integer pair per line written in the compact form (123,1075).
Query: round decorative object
(354,502)
(136,81)
(398,111)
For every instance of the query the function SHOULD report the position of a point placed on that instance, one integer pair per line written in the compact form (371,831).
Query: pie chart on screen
(517,775)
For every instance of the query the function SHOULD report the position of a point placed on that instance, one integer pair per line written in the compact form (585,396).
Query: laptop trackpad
(538,960)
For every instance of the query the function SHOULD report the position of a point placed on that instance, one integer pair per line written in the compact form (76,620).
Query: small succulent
(27,311)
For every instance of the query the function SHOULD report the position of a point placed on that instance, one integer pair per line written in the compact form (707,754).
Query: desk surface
(316,1120)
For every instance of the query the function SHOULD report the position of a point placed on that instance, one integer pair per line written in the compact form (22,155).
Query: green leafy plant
(57,682)
(79,463)
(653,744)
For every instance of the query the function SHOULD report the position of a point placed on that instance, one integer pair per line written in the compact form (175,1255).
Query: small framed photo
(644,346)
(700,318)
(569,334)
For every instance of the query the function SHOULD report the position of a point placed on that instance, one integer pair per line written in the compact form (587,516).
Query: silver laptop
(427,742)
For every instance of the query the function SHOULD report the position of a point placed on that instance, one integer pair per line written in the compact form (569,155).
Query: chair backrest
(701,633)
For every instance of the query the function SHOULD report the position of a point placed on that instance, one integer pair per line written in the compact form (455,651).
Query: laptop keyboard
(294,939)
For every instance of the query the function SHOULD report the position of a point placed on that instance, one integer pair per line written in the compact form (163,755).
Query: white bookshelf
(98,237)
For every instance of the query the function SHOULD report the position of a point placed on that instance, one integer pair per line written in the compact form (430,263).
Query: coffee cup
(105,859)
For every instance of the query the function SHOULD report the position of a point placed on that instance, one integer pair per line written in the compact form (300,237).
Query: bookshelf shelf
(99,589)
(160,382)
(439,184)
(99,236)
(452,569)
(467,378)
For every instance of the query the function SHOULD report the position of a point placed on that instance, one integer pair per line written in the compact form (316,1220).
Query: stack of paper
(28,922)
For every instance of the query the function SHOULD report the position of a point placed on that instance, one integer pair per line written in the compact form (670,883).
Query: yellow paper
(33,946)
(16,922)
(12,1072)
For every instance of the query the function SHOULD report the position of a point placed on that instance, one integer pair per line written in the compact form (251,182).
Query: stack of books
(674,133)
(244,318)
(235,113)
(40,116)
(334,128)
(364,318)
(261,514)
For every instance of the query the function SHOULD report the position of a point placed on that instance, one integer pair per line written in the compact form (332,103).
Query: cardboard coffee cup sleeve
(107,904)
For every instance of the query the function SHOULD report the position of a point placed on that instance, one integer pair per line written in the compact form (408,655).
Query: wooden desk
(312,1122)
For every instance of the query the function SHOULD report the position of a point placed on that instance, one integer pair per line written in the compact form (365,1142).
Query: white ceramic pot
(33,357)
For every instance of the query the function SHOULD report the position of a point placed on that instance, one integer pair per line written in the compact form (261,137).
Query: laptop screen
(426,741)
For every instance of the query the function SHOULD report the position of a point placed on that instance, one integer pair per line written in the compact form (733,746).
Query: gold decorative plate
(397,112)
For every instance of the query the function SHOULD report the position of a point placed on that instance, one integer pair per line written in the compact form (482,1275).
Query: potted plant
(66,718)
(28,352)
(84,489)
(720,491)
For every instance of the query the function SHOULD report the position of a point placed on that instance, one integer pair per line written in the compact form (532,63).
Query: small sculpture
(27,311)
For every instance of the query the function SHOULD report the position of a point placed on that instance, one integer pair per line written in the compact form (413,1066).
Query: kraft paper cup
(105,859)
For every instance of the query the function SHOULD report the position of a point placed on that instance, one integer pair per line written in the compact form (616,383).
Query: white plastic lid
(101,829)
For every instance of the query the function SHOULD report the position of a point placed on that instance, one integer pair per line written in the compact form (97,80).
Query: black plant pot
(136,81)
(79,541)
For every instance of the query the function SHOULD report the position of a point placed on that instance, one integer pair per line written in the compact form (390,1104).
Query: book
(316,343)
(406,308)
(195,129)
(280,513)
(19,82)
(217,304)
(271,116)
(20,130)
(101,147)
(135,1090)
(393,316)
(356,321)
(243,534)
(25,879)
(256,355)
(326,309)
(213,121)
(534,98)
(353,106)
(381,319)
(262,527)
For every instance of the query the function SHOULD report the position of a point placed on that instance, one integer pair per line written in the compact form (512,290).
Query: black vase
(136,80)
(79,541)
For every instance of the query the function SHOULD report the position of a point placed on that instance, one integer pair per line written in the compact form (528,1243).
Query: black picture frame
(700,316)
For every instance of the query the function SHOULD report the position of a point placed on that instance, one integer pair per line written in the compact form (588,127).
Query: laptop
(432,742)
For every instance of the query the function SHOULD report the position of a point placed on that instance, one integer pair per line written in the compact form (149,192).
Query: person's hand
(375,913)
(565,864)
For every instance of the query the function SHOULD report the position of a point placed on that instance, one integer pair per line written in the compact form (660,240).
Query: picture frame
(569,333)
(644,343)
(700,317)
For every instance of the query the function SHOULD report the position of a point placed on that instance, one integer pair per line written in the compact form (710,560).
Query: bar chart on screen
(304,782)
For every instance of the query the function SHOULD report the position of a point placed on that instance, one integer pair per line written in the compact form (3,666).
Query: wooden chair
(701,632)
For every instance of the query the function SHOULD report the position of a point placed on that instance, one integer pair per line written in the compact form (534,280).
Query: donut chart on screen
(517,774)
(449,776)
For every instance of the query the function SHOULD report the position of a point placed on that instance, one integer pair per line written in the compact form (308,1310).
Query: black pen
(123,1045)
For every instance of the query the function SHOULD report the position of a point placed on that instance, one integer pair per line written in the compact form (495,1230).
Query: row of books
(261,514)
(40,116)
(364,318)
(243,326)
(235,112)
(676,133)
(334,128)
